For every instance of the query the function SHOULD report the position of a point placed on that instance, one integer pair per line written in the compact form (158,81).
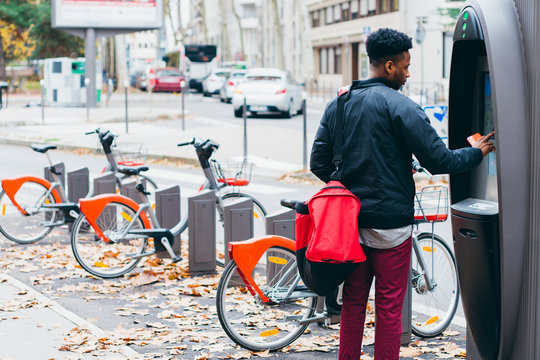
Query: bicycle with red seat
(262,303)
(112,232)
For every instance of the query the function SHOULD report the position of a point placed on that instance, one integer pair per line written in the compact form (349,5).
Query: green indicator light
(464,26)
(463,37)
(466,15)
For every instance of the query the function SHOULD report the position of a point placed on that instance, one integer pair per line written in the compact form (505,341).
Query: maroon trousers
(390,267)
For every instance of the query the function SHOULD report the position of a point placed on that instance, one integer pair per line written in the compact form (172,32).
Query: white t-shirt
(384,238)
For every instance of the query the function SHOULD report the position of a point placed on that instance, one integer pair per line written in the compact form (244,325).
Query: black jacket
(382,130)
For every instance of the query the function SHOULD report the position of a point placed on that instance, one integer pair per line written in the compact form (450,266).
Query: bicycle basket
(431,204)
(232,173)
(130,154)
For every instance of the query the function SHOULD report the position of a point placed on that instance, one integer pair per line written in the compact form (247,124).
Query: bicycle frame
(11,186)
(246,254)
(426,274)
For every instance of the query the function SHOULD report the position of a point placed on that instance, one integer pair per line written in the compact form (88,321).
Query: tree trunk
(242,46)
(167,12)
(278,34)
(203,19)
(226,46)
(180,26)
(3,76)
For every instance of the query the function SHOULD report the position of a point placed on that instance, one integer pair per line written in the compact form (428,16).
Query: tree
(226,46)
(278,36)
(240,29)
(52,42)
(15,16)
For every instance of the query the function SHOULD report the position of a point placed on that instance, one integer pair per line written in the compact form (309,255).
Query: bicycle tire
(433,310)
(27,229)
(259,326)
(259,214)
(113,259)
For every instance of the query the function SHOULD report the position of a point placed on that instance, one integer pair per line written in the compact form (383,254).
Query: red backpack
(326,228)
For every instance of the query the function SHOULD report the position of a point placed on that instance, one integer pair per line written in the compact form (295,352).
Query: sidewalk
(33,326)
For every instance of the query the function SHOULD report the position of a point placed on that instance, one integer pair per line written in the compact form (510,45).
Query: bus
(197,62)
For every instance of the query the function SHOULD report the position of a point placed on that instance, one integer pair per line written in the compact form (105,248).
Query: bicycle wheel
(37,223)
(259,225)
(254,324)
(114,258)
(433,310)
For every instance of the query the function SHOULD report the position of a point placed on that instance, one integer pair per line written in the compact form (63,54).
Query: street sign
(152,78)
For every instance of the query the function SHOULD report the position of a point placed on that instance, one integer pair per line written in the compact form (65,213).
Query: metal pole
(126,97)
(422,76)
(90,66)
(244,114)
(304,112)
(41,83)
(182,86)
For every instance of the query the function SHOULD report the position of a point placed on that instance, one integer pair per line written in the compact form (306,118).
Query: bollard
(78,184)
(60,168)
(279,223)
(128,189)
(168,215)
(237,222)
(105,184)
(202,231)
(406,314)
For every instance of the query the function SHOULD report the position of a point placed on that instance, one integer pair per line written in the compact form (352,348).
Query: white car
(214,81)
(268,90)
(227,90)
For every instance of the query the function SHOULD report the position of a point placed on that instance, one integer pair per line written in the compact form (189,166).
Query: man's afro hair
(386,43)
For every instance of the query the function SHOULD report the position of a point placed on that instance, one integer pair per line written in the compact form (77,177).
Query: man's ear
(389,66)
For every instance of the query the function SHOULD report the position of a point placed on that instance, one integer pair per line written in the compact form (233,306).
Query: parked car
(212,82)
(227,90)
(168,79)
(268,90)
(140,80)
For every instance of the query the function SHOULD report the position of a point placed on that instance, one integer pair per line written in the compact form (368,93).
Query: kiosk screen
(484,179)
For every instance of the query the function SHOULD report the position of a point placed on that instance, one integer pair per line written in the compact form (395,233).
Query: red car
(168,79)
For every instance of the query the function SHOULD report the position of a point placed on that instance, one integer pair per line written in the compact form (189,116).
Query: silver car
(212,82)
(268,90)
(227,90)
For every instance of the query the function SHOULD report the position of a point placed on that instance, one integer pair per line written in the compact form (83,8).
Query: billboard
(107,14)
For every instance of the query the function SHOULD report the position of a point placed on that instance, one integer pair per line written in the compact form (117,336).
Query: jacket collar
(378,81)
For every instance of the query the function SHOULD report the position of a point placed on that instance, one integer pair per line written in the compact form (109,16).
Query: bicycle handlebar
(418,168)
(187,143)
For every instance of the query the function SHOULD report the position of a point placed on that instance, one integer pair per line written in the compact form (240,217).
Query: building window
(447,53)
(345,11)
(329,15)
(383,6)
(394,5)
(323,53)
(372,7)
(315,19)
(364,7)
(337,60)
(337,13)
(330,60)
(355,9)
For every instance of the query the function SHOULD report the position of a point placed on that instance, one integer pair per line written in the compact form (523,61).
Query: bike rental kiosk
(490,202)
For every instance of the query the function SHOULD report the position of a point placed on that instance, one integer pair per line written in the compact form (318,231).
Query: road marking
(74,318)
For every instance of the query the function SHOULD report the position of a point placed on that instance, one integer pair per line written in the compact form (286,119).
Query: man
(383,130)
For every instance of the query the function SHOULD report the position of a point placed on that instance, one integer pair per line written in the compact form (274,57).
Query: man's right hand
(483,144)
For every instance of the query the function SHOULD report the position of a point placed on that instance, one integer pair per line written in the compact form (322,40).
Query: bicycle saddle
(42,148)
(132,170)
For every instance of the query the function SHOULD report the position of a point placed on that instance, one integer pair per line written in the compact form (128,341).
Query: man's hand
(483,144)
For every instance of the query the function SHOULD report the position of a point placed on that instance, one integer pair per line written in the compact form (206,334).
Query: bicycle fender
(93,207)
(247,253)
(11,186)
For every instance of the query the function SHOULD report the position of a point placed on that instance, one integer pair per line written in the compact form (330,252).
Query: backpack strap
(343,97)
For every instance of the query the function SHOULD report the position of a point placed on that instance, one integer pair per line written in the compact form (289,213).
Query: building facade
(339,30)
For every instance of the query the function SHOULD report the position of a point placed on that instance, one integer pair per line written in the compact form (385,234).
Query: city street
(160,310)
